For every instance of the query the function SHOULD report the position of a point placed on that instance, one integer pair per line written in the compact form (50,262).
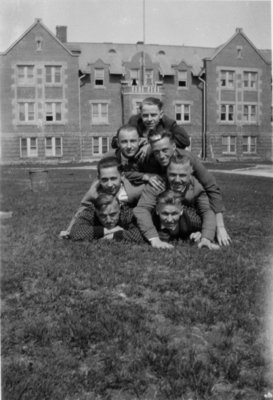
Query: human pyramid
(150,189)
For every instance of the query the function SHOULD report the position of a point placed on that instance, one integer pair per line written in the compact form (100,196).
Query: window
(28,147)
(53,147)
(227,79)
(250,80)
(99,113)
(134,76)
(182,113)
(25,74)
(136,107)
(249,144)
(99,76)
(53,112)
(148,77)
(229,144)
(227,112)
(100,145)
(53,74)
(182,78)
(26,112)
(250,113)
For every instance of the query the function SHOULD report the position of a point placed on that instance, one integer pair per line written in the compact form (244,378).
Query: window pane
(57,74)
(22,116)
(48,74)
(58,111)
(104,145)
(95,145)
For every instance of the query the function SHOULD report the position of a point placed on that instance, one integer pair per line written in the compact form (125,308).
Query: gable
(38,40)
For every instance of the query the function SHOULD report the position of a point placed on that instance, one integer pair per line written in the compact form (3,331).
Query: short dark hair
(169,197)
(182,159)
(162,133)
(128,128)
(103,200)
(109,162)
(153,101)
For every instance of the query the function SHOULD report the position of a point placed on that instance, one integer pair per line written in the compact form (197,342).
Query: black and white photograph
(136,187)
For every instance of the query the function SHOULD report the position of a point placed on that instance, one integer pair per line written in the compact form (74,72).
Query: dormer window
(99,77)
(182,79)
(239,51)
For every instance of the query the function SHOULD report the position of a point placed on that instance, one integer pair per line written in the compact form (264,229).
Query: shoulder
(167,121)
(134,119)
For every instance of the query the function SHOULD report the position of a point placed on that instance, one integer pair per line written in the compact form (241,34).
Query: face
(163,149)
(151,115)
(109,216)
(169,215)
(178,176)
(128,142)
(110,180)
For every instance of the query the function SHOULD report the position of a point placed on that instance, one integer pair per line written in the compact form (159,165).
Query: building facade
(64,101)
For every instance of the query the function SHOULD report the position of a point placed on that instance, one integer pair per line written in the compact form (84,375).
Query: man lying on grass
(110,180)
(106,218)
(163,147)
(179,179)
(173,220)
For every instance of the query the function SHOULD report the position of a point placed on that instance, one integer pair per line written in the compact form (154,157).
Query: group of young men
(150,189)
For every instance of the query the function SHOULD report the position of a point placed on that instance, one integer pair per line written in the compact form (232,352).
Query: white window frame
(99,75)
(227,79)
(134,77)
(53,75)
(27,112)
(53,112)
(99,119)
(227,113)
(231,141)
(182,79)
(251,141)
(51,146)
(27,77)
(247,116)
(180,109)
(31,147)
(247,80)
(148,77)
(99,144)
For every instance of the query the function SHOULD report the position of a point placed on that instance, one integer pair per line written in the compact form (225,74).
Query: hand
(112,230)
(223,237)
(207,243)
(158,244)
(196,236)
(157,182)
(141,154)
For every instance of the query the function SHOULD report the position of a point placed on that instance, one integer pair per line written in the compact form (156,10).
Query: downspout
(80,117)
(204,127)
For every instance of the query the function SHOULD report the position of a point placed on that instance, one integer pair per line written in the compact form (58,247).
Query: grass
(92,321)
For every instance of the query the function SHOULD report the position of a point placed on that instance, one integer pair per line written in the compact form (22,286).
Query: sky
(190,22)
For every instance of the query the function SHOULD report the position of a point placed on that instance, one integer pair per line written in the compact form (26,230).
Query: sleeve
(135,177)
(91,194)
(84,227)
(130,232)
(208,182)
(207,215)
(143,212)
(181,137)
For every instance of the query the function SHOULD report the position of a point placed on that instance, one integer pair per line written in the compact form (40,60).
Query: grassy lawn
(92,321)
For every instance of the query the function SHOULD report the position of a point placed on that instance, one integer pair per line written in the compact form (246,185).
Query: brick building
(64,101)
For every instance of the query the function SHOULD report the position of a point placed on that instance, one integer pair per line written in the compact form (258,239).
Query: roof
(37,21)
(264,54)
(115,54)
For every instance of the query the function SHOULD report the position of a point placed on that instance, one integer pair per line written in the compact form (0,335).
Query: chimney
(61,33)
(239,30)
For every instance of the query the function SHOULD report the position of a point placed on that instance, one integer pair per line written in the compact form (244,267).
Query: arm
(91,194)
(208,182)
(207,215)
(223,237)
(181,137)
(143,212)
